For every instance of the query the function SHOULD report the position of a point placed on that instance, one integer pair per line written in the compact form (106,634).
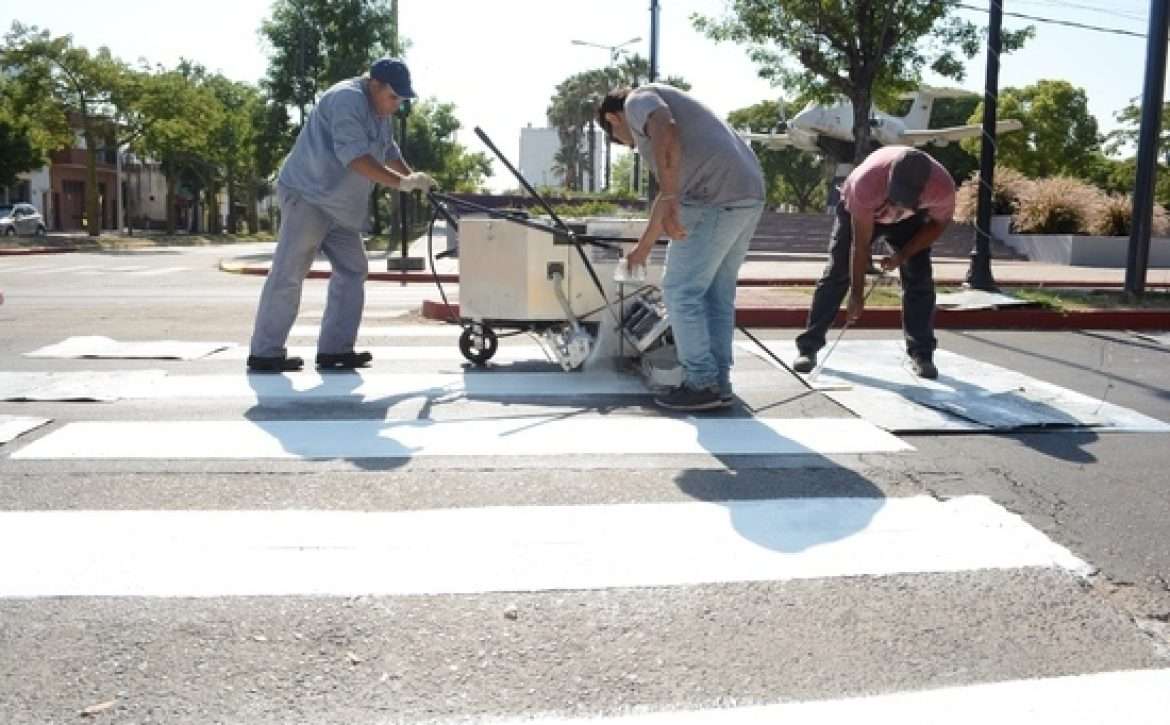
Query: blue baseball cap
(394,73)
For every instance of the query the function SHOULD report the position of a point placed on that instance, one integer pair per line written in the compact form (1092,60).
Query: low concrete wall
(1085,251)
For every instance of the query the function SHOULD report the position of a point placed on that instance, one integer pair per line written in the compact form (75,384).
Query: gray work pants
(304,230)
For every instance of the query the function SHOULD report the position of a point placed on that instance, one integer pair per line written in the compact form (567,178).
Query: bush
(1007,188)
(1113,217)
(1061,205)
(587,209)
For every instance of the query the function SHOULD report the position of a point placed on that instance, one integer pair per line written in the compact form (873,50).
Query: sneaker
(805,362)
(688,399)
(726,398)
(278,364)
(923,367)
(343,360)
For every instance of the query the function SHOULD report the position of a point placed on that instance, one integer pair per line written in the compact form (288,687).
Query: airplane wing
(944,136)
(768,140)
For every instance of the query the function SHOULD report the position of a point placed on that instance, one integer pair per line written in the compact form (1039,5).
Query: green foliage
(313,44)
(1059,138)
(859,49)
(792,176)
(96,90)
(578,210)
(431,147)
(1130,119)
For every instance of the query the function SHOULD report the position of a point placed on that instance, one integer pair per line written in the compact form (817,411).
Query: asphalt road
(463,650)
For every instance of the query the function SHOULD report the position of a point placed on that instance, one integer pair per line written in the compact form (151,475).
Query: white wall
(538,151)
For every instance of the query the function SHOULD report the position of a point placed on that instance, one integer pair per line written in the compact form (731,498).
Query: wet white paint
(536,548)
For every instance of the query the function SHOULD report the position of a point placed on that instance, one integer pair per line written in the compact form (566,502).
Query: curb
(426,278)
(404,277)
(891,318)
(22,251)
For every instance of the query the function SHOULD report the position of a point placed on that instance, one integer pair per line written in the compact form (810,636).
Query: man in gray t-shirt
(344,148)
(711,195)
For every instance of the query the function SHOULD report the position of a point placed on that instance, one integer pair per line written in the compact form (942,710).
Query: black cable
(1054,21)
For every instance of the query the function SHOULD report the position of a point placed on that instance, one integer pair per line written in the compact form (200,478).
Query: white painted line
(441,331)
(507,353)
(367,315)
(537,548)
(1139,697)
(28,268)
(159,271)
(526,436)
(127,268)
(14,426)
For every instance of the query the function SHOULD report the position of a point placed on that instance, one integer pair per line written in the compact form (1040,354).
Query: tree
(179,137)
(96,92)
(859,49)
(573,109)
(792,176)
(27,134)
(313,44)
(1059,137)
(1130,119)
(430,131)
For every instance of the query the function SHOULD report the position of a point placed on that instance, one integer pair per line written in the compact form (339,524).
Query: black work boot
(805,362)
(343,360)
(923,367)
(690,399)
(276,364)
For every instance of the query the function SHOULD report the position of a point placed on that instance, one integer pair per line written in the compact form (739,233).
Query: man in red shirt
(905,196)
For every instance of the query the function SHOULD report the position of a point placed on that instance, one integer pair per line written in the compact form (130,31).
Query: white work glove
(417,181)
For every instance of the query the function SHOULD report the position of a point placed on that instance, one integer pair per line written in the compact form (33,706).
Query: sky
(499,62)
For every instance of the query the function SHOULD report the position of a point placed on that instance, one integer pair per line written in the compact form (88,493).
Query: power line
(1054,21)
(1117,12)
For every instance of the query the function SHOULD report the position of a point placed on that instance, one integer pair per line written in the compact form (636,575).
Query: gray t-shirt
(342,127)
(718,167)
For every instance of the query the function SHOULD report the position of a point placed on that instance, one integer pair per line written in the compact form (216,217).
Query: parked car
(21,219)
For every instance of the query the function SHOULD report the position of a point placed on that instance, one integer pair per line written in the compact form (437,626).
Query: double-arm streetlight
(615,51)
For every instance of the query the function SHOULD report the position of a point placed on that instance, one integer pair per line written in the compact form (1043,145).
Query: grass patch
(1063,300)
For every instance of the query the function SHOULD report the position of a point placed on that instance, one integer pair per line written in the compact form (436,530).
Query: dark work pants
(917,286)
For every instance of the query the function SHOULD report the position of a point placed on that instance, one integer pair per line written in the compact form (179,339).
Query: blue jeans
(699,288)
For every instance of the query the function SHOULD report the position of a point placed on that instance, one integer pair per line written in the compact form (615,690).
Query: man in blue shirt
(324,186)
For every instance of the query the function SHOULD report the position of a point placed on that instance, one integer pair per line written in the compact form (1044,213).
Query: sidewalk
(766,299)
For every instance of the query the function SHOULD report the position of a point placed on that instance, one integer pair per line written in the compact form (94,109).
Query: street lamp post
(615,52)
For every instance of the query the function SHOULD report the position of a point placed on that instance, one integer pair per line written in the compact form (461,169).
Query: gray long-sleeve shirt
(342,127)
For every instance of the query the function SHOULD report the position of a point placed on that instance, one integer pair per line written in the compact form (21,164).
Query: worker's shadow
(1009,413)
(789,502)
(350,426)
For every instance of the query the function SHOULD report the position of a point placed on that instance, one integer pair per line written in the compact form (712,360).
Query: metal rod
(523,182)
(1137,263)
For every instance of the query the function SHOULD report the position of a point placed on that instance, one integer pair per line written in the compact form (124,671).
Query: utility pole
(1137,263)
(404,262)
(979,272)
(652,187)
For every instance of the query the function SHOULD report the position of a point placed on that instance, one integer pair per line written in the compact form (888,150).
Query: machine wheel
(10,231)
(472,350)
(40,230)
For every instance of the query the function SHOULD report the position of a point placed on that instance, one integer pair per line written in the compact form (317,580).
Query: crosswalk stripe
(505,549)
(1140,697)
(507,353)
(127,268)
(540,436)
